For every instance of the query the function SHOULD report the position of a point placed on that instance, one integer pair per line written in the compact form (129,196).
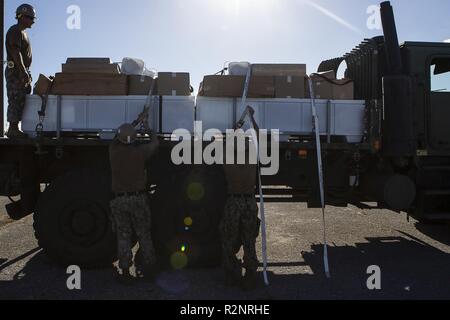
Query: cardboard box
(279,70)
(342,89)
(290,87)
(222,86)
(261,87)
(173,84)
(91,68)
(88,61)
(321,75)
(140,85)
(323,89)
(90,84)
(233,87)
(42,85)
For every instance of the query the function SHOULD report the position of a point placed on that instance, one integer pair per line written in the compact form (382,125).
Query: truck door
(439,103)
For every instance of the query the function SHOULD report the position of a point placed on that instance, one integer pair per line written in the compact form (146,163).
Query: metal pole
(58,116)
(320,174)
(2,10)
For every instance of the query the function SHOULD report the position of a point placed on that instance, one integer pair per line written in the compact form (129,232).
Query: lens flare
(195,191)
(179,260)
(188,222)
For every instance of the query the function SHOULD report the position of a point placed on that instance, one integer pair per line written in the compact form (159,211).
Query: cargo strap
(246,87)
(41,113)
(335,82)
(221,72)
(316,127)
(249,112)
(143,117)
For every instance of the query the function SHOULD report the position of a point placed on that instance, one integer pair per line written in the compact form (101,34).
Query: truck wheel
(72,222)
(187,207)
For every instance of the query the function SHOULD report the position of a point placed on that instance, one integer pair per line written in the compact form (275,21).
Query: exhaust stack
(393,55)
(398,128)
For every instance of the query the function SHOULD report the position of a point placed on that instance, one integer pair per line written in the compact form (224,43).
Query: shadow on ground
(410,269)
(439,233)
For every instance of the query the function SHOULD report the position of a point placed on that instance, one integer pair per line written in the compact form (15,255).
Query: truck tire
(71,220)
(187,207)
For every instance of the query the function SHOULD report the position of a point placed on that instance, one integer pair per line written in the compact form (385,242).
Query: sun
(239,7)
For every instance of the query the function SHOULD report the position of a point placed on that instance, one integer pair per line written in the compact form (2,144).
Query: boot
(125,278)
(14,132)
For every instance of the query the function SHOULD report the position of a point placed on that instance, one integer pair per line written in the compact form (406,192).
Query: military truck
(402,163)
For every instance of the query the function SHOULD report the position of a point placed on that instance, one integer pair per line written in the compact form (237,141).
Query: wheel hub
(83,222)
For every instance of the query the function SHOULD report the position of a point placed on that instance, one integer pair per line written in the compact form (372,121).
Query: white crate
(289,116)
(107,113)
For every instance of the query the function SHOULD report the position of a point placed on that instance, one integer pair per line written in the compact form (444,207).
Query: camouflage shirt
(128,165)
(17,41)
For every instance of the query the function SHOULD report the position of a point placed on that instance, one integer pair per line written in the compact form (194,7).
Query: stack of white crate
(289,116)
(101,114)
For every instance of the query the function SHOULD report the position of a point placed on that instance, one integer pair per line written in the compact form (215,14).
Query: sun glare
(238,7)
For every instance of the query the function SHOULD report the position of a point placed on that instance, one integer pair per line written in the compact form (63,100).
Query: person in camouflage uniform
(16,100)
(130,209)
(132,213)
(240,225)
(17,73)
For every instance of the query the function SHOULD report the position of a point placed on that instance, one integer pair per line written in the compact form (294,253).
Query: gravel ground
(414,261)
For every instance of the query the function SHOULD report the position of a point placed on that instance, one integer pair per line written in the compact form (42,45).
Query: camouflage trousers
(239,227)
(16,92)
(132,213)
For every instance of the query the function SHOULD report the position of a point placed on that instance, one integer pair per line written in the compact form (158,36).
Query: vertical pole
(2,7)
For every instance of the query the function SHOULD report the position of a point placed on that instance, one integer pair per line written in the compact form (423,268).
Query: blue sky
(199,36)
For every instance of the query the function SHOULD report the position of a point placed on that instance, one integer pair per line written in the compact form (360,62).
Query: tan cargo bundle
(173,84)
(279,70)
(233,87)
(326,86)
(90,84)
(290,87)
(268,81)
(88,76)
(140,85)
(90,65)
(42,86)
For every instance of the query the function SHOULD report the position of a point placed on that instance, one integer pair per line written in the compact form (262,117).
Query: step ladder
(433,200)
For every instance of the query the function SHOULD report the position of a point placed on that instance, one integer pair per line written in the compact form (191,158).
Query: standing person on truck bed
(130,208)
(17,73)
(240,224)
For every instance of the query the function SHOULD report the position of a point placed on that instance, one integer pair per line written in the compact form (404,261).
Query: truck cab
(429,65)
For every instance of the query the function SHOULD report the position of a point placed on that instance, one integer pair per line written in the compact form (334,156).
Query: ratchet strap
(143,117)
(316,127)
(250,112)
(246,86)
(335,82)
(41,113)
